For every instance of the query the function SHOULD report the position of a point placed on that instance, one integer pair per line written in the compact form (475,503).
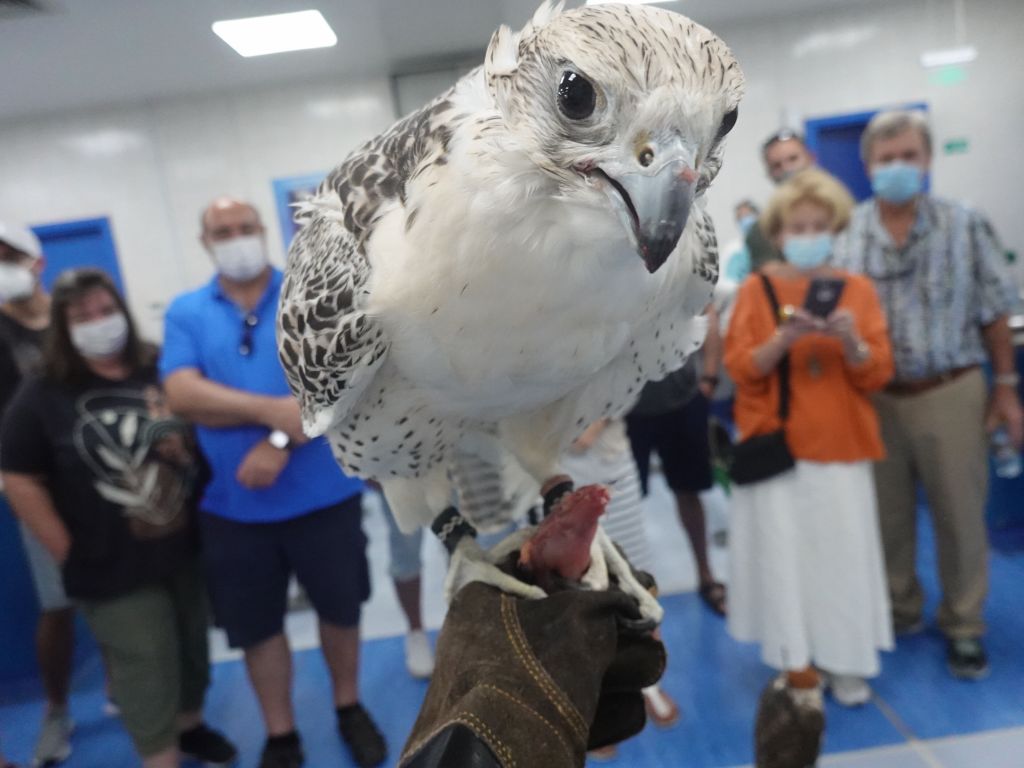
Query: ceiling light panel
(277,33)
(945,58)
(630,2)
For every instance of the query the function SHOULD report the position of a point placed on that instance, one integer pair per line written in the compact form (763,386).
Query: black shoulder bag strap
(783,366)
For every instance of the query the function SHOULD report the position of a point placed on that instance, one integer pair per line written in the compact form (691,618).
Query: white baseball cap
(21,239)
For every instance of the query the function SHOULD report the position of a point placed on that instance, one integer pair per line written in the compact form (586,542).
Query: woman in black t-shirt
(106,478)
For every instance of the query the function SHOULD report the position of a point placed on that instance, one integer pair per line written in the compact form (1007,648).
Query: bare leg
(166,759)
(55,645)
(340,646)
(408,592)
(189,720)
(270,671)
(691,515)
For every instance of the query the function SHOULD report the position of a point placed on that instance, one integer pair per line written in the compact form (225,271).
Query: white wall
(852,60)
(152,167)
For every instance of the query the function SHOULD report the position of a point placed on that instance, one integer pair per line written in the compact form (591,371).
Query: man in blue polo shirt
(277,503)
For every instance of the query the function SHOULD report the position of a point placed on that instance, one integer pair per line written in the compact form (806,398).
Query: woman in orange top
(807,578)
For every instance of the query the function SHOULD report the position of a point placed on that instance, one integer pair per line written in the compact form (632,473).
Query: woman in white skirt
(807,574)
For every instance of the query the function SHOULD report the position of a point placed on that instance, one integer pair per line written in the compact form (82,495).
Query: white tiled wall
(151,167)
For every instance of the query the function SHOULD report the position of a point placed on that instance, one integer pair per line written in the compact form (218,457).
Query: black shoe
(204,745)
(283,752)
(966,658)
(361,736)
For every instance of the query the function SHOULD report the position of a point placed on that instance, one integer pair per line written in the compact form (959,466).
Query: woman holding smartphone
(807,576)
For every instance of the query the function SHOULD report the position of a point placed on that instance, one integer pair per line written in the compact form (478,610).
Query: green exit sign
(948,75)
(958,146)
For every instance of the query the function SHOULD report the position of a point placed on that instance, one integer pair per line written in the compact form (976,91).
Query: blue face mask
(897,182)
(738,267)
(746,223)
(807,251)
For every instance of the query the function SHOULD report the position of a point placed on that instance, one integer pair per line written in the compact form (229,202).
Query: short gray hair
(885,125)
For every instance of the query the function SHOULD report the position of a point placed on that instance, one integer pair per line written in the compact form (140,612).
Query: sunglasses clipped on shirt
(249,323)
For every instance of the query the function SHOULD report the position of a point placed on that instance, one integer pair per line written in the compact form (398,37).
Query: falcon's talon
(639,627)
(471,563)
(617,566)
(511,543)
(596,577)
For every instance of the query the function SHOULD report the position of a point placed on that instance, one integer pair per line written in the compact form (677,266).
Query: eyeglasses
(249,322)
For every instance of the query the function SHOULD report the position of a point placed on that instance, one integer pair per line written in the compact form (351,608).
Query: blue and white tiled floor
(920,717)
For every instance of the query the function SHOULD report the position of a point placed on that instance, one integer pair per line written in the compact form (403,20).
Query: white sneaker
(110,708)
(419,656)
(54,743)
(849,690)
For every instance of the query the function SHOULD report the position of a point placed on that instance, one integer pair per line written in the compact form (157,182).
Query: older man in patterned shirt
(940,273)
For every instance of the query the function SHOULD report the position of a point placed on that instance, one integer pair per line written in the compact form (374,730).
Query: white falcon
(514,260)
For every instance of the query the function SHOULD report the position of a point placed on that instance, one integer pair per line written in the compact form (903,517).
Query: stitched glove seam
(551,726)
(477,726)
(517,639)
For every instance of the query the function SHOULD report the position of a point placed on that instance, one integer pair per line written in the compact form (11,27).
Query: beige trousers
(937,438)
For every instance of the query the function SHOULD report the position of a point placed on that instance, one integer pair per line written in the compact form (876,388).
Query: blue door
(84,243)
(836,142)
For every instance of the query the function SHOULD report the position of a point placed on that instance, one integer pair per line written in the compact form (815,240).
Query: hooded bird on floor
(512,262)
(790,722)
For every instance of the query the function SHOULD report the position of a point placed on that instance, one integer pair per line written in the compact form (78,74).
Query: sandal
(661,709)
(603,754)
(713,595)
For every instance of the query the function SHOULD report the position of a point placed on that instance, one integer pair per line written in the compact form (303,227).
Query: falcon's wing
(329,347)
(705,265)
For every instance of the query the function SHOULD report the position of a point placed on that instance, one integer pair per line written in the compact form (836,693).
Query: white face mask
(241,258)
(100,338)
(16,282)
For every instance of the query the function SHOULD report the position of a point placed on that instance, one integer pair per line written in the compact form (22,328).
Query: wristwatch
(280,440)
(1006,379)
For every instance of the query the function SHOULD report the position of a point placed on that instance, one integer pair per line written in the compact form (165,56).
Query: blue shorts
(406,559)
(249,565)
(680,438)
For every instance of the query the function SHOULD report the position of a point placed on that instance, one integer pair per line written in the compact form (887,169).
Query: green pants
(153,642)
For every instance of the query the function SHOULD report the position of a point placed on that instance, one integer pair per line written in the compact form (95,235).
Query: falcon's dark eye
(727,123)
(576,96)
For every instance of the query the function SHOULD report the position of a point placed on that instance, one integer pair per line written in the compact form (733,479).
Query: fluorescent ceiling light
(949,56)
(828,42)
(629,2)
(260,35)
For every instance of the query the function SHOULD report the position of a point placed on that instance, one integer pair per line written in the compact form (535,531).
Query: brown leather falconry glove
(524,683)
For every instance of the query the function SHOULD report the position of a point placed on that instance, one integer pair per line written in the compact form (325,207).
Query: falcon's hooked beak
(652,193)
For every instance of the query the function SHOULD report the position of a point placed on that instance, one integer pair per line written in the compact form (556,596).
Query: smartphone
(823,295)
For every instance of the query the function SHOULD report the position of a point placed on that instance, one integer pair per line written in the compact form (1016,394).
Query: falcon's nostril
(646,156)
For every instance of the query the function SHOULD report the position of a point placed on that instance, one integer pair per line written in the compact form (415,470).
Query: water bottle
(1006,458)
